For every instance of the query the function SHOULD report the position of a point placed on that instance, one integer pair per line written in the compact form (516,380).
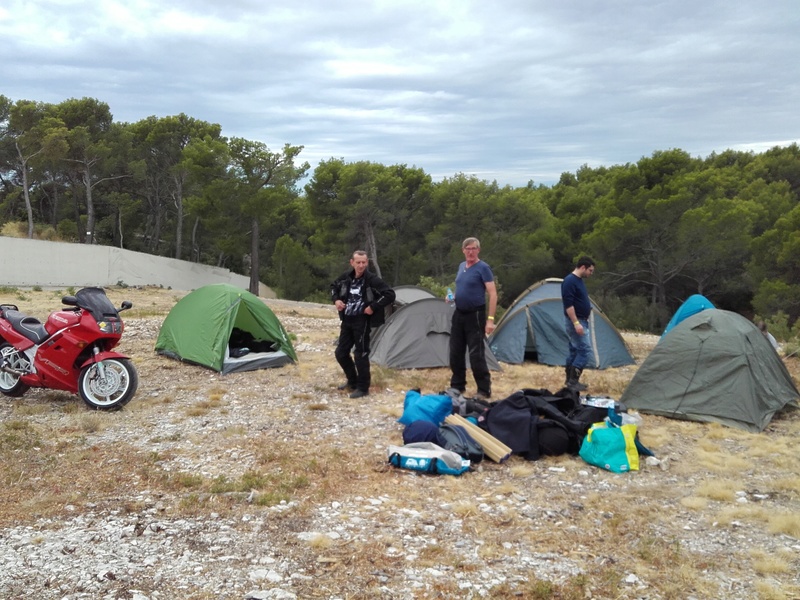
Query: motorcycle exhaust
(11,371)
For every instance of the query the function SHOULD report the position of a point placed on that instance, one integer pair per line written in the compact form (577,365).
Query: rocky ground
(272,484)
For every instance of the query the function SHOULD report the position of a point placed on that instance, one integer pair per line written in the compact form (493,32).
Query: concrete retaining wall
(26,263)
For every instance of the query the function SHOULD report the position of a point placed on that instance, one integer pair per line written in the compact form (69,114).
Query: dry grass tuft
(657,435)
(717,460)
(465,509)
(521,470)
(769,591)
(734,515)
(695,503)
(767,564)
(216,394)
(786,523)
(91,422)
(29,410)
(715,432)
(320,542)
(718,489)
(787,484)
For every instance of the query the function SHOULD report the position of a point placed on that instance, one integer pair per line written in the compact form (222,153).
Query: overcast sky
(507,90)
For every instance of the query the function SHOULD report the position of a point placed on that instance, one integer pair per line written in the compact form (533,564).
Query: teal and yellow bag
(611,448)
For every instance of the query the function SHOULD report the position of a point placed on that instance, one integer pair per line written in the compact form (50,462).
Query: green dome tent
(714,366)
(199,329)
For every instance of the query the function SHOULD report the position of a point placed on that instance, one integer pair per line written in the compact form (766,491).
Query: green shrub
(319,297)
(67,230)
(778,325)
(633,313)
(437,289)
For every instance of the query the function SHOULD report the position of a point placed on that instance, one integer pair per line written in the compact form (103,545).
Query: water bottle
(449,298)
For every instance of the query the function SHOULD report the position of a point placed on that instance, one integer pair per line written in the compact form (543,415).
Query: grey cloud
(511,90)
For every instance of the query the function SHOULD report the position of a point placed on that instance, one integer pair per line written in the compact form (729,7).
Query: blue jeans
(580,346)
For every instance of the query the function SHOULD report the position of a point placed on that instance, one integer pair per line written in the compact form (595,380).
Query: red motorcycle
(71,351)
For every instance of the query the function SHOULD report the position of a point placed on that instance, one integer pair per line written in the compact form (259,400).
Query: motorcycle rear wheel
(10,385)
(112,391)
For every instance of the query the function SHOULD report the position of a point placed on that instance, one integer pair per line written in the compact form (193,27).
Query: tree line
(726,226)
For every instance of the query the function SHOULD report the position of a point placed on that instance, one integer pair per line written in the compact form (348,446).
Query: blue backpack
(428,407)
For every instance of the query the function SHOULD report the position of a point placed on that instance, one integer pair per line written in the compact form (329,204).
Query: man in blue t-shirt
(577,310)
(471,321)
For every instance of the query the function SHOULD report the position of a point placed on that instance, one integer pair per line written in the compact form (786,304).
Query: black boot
(574,383)
(567,374)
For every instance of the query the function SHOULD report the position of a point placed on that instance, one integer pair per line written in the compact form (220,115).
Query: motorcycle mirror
(126,304)
(69,301)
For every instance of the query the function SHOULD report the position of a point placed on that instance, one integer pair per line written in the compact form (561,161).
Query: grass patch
(722,490)
(720,461)
(768,591)
(768,564)
(202,407)
(18,435)
(189,480)
(216,394)
(694,503)
(786,523)
(91,422)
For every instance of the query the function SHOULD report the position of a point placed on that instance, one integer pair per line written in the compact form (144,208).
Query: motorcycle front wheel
(112,389)
(10,385)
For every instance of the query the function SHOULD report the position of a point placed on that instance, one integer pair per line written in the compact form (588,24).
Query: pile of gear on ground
(446,433)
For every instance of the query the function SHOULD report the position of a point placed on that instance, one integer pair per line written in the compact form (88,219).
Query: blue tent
(533,328)
(693,305)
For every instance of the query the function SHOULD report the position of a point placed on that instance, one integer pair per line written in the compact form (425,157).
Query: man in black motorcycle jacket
(360,296)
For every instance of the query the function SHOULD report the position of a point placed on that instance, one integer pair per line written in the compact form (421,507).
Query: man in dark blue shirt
(471,321)
(577,310)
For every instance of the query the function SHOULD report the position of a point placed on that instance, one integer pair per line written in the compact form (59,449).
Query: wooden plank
(492,447)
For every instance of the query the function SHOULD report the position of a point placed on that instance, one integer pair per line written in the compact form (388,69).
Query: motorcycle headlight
(110,326)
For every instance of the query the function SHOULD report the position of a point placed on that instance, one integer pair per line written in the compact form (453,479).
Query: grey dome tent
(417,336)
(206,325)
(406,294)
(533,327)
(714,366)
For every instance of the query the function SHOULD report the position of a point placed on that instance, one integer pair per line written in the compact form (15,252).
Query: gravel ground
(494,532)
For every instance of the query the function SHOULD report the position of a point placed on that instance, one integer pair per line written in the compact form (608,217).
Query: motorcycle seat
(30,327)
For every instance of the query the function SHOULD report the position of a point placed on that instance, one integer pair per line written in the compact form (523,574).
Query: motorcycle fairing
(101,356)
(96,302)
